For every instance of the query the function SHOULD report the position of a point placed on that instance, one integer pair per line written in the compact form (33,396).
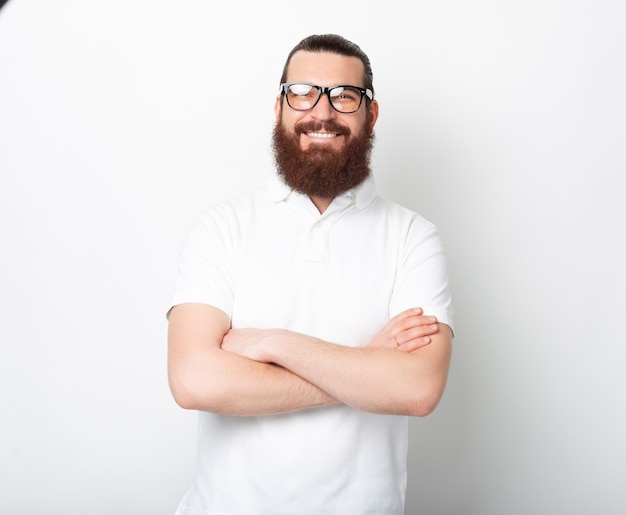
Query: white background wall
(503,122)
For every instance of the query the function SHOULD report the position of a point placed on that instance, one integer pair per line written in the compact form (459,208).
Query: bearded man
(312,318)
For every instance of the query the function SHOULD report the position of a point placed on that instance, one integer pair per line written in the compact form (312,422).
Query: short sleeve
(422,274)
(205,271)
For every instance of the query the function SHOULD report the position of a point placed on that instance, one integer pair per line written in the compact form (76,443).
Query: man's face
(326,69)
(322,152)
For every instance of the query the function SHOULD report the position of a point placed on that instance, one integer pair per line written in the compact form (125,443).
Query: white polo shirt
(271,260)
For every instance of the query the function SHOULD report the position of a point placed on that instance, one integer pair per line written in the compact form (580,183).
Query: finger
(408,313)
(418,332)
(417,325)
(406,319)
(403,321)
(414,344)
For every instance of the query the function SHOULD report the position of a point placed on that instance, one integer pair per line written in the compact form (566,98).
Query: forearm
(257,372)
(205,377)
(234,385)
(371,379)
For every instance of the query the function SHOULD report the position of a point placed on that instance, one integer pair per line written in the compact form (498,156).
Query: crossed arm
(265,371)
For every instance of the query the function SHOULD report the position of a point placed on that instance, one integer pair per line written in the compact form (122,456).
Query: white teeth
(321,135)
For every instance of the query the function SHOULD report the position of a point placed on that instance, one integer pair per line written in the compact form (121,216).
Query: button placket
(316,244)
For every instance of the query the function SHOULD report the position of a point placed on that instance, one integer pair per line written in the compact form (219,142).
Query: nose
(323,110)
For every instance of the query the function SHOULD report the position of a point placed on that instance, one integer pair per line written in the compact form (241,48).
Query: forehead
(325,69)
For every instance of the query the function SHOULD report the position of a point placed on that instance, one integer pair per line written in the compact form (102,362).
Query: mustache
(329,126)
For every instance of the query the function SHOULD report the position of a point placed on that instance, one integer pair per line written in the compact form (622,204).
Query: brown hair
(335,44)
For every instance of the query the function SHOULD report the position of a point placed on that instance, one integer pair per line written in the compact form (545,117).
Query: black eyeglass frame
(321,90)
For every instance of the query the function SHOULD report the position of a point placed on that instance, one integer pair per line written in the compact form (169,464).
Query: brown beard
(322,172)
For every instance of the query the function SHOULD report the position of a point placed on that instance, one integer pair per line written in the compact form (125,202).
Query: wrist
(277,345)
(270,345)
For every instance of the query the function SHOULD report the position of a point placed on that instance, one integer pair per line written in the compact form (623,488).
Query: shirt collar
(363,194)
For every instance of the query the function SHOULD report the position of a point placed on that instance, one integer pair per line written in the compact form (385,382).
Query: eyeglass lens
(344,99)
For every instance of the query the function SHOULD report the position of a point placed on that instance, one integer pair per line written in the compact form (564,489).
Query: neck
(321,203)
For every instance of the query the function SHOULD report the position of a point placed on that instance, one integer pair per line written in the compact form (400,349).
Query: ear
(277,107)
(373,114)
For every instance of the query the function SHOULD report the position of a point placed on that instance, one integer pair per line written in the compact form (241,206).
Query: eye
(342,93)
(300,90)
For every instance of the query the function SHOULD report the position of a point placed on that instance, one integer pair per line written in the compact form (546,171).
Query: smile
(321,135)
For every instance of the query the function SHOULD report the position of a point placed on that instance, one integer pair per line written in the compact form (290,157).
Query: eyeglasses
(344,99)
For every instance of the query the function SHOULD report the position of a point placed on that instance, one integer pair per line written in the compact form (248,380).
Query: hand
(247,342)
(407,331)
